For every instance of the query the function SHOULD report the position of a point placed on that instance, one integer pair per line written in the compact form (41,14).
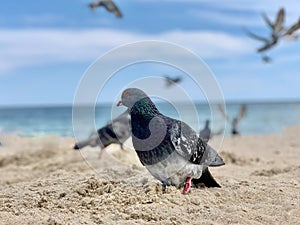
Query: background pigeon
(116,131)
(205,133)
(170,150)
(236,120)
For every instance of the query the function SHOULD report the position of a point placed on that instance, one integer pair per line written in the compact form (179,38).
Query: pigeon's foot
(164,188)
(100,154)
(187,186)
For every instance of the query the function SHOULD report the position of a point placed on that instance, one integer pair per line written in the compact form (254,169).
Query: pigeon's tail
(92,141)
(213,158)
(218,161)
(81,144)
(207,179)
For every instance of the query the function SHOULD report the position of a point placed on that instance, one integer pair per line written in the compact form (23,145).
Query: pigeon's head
(207,123)
(130,96)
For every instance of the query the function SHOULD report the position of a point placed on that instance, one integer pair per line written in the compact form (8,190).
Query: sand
(44,181)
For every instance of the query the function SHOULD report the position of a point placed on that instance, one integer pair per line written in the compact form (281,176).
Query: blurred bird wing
(278,26)
(221,109)
(177,79)
(118,12)
(267,20)
(242,112)
(95,4)
(112,7)
(265,47)
(169,81)
(293,28)
(254,36)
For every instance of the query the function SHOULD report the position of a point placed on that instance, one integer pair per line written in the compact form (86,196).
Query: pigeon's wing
(254,36)
(191,147)
(107,136)
(169,81)
(95,4)
(278,26)
(266,47)
(267,20)
(293,28)
(242,112)
(112,7)
(222,111)
(117,12)
(177,80)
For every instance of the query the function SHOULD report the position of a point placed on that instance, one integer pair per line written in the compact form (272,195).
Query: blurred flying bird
(278,31)
(172,80)
(117,131)
(109,5)
(236,120)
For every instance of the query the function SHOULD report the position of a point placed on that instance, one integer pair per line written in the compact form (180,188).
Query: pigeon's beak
(120,103)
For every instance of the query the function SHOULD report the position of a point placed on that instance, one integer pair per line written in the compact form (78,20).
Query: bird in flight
(170,81)
(278,31)
(109,5)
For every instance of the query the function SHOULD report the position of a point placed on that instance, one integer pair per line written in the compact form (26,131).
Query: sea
(260,118)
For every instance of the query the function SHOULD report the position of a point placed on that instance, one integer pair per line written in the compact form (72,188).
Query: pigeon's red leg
(187,186)
(100,153)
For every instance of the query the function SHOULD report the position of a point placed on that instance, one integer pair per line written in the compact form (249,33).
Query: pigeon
(171,81)
(109,6)
(236,120)
(116,131)
(169,149)
(205,133)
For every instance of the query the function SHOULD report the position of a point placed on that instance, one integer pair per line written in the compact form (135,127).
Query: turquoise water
(261,118)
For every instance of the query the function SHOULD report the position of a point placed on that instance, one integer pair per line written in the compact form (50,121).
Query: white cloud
(29,47)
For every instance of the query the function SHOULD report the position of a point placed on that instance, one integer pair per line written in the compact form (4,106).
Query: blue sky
(46,46)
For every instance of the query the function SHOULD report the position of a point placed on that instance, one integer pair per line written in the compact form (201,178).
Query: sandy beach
(44,181)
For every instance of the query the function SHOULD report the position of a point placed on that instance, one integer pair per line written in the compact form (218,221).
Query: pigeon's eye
(126,94)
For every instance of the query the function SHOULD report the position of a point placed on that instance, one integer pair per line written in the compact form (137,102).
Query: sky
(46,47)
